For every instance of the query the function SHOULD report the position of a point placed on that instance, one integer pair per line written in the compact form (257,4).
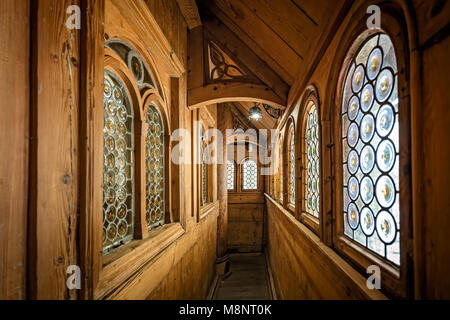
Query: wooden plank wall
(303,267)
(186,269)
(14,146)
(54,150)
(245,221)
(50,120)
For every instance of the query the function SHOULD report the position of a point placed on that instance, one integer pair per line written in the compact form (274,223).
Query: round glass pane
(367,221)
(353,216)
(358,79)
(353,108)
(367,159)
(367,190)
(367,97)
(385,83)
(353,162)
(385,120)
(367,128)
(385,191)
(386,156)
(386,227)
(353,135)
(374,63)
(353,188)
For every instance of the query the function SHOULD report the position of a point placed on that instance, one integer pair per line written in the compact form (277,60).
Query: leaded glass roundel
(292,166)
(370,137)
(250,175)
(154,158)
(117,164)
(312,183)
(230,175)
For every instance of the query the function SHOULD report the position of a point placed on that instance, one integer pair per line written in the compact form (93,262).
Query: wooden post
(222,263)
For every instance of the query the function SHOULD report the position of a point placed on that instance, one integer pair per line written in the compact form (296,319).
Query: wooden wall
(51,122)
(313,270)
(303,267)
(245,221)
(14,146)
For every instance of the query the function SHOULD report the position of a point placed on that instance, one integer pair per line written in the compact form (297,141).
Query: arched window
(311,161)
(230,175)
(118,210)
(250,175)
(291,165)
(370,149)
(155,178)
(280,165)
(204,167)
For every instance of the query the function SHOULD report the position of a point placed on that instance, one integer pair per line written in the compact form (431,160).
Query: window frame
(310,221)
(396,279)
(241,170)
(235,181)
(111,268)
(289,128)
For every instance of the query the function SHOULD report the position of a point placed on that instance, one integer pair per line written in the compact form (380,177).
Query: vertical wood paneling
(54,164)
(91,141)
(14,133)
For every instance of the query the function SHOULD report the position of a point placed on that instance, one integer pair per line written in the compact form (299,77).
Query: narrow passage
(248,281)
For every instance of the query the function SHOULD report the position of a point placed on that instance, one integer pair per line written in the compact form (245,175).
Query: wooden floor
(249,279)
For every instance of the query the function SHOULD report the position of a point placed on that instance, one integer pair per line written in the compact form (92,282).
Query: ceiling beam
(232,92)
(286,75)
(243,54)
(190,13)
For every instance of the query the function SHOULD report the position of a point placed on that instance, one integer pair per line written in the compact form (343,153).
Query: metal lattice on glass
(117,164)
(230,175)
(250,175)
(292,166)
(154,158)
(311,156)
(371,149)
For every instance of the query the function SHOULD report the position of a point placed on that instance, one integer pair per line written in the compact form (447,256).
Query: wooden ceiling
(279,42)
(285,34)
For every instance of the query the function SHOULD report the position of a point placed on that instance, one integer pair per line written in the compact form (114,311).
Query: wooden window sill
(332,255)
(207,209)
(121,264)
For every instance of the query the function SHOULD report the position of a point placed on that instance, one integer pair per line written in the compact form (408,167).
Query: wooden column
(222,263)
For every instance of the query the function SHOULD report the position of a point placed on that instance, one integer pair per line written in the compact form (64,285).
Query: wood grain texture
(54,163)
(319,272)
(14,130)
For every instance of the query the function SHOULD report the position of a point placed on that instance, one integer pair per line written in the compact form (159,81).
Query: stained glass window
(370,131)
(280,153)
(291,165)
(250,175)
(230,175)
(117,164)
(204,178)
(154,157)
(204,167)
(311,162)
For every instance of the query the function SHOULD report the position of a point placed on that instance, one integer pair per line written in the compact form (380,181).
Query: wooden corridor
(151,151)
